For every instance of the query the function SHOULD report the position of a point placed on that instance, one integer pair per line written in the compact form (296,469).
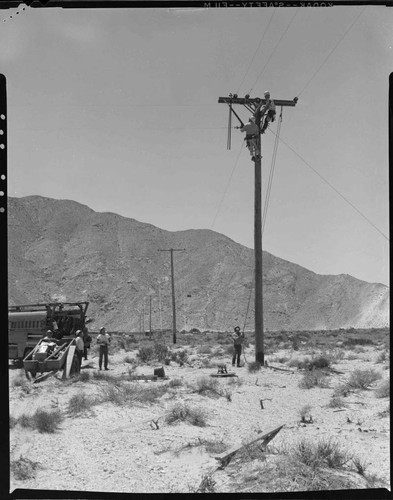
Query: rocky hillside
(62,250)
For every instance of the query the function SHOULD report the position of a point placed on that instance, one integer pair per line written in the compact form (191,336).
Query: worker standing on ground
(79,346)
(238,339)
(270,109)
(86,342)
(252,130)
(103,340)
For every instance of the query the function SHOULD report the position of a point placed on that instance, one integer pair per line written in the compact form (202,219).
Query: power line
(331,52)
(271,174)
(227,186)
(255,53)
(274,50)
(334,189)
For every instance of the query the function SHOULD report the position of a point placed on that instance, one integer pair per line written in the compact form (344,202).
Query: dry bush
(336,402)
(47,421)
(383,357)
(206,386)
(254,366)
(279,359)
(214,447)
(23,468)
(124,393)
(315,378)
(342,390)
(145,353)
(363,379)
(305,413)
(175,382)
(26,421)
(384,413)
(13,422)
(23,383)
(325,452)
(79,403)
(360,465)
(185,413)
(204,349)
(383,390)
(83,376)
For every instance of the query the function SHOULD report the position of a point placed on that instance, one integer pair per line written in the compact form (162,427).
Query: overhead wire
(334,189)
(227,186)
(271,174)
(331,52)
(275,48)
(256,51)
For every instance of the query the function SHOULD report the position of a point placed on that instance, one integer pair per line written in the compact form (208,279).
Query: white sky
(117,109)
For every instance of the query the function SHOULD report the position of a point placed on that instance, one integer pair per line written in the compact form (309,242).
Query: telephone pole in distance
(173,288)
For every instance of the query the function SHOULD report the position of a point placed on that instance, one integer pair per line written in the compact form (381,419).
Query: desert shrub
(384,413)
(383,390)
(79,403)
(167,361)
(47,421)
(360,465)
(26,421)
(125,393)
(325,452)
(129,359)
(363,379)
(84,376)
(336,402)
(305,413)
(318,363)
(204,349)
(382,357)
(23,468)
(206,386)
(357,341)
(279,359)
(23,383)
(214,447)
(332,454)
(13,422)
(295,363)
(207,363)
(254,366)
(175,382)
(145,353)
(160,351)
(184,413)
(315,378)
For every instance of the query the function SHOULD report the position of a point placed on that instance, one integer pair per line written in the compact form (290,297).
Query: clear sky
(118,109)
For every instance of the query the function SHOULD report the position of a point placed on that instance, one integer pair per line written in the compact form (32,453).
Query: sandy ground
(117,449)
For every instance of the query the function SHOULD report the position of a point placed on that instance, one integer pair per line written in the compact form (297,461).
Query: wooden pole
(171,250)
(259,340)
(150,317)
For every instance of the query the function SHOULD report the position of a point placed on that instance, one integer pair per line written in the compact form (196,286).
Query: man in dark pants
(103,341)
(86,342)
(238,339)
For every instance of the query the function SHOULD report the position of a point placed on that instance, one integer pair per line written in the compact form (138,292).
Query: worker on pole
(270,110)
(252,133)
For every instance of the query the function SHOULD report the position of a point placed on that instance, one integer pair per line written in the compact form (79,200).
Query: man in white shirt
(79,346)
(251,129)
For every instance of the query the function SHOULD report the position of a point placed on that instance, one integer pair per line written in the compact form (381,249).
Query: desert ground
(103,431)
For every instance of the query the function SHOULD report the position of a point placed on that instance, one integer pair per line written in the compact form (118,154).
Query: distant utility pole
(255,105)
(150,317)
(173,288)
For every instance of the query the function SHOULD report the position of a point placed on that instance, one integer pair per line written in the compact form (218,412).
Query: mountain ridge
(64,250)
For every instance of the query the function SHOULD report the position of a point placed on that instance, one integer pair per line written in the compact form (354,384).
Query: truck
(27,325)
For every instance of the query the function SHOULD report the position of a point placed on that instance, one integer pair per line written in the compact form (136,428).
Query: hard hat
(49,331)
(252,118)
(102,328)
(237,328)
(267,92)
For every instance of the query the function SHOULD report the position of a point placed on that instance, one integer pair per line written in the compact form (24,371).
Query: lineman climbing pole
(256,107)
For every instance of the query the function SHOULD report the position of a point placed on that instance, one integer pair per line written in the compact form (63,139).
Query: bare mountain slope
(62,250)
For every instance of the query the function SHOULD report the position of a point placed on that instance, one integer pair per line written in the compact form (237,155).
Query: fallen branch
(226,457)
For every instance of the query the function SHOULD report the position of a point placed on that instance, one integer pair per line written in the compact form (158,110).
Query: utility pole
(173,288)
(255,106)
(150,317)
